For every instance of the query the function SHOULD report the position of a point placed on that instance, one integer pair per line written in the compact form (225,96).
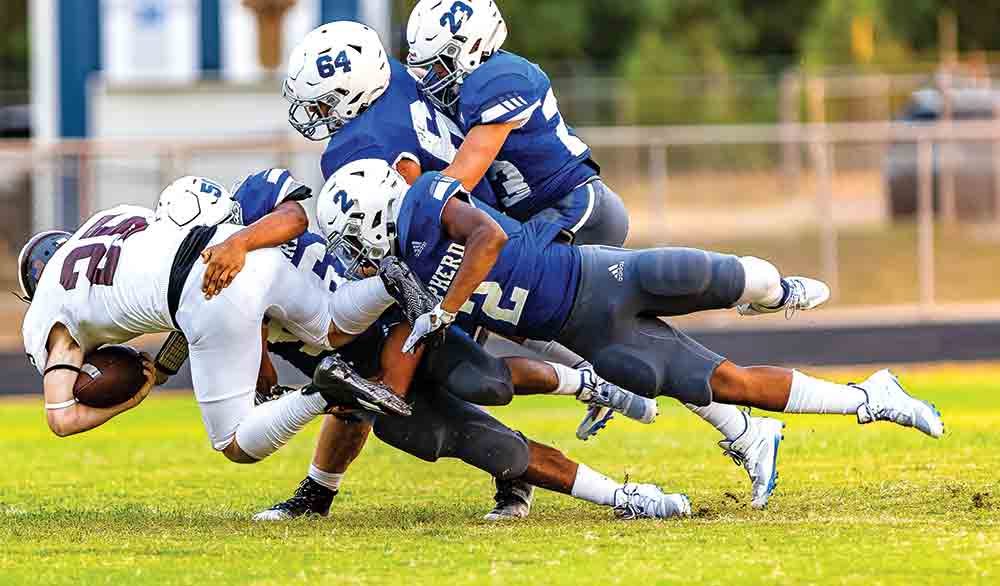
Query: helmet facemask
(306,116)
(34,257)
(359,257)
(442,77)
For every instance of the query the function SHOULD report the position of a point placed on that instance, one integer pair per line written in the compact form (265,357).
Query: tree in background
(855,32)
(14,35)
(14,52)
(685,48)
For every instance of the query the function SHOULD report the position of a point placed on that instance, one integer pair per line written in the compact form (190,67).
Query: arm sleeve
(420,214)
(509,97)
(429,204)
(260,193)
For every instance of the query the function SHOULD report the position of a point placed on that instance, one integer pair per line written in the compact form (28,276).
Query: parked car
(15,121)
(974,161)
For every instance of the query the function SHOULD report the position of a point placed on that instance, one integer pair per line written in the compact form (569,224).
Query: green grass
(145,501)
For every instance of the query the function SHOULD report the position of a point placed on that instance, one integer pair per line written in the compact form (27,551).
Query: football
(110,375)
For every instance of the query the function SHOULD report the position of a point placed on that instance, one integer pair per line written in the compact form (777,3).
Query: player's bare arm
(478,152)
(483,239)
(226,259)
(63,413)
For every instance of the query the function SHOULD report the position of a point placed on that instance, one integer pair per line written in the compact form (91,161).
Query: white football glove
(427,325)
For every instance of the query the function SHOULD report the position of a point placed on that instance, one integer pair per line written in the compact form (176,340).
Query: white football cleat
(801,293)
(757,451)
(635,501)
(604,399)
(888,401)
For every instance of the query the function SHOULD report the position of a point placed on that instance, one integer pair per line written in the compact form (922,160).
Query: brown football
(110,375)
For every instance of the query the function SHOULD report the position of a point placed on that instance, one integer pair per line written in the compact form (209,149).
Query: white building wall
(203,111)
(151,40)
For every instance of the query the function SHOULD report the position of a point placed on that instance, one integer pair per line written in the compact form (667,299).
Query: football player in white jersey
(128,272)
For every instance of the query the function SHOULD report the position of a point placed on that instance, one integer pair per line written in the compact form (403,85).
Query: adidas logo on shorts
(418,248)
(618,271)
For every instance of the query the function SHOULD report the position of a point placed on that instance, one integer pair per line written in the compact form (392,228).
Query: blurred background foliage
(732,53)
(13,51)
(611,57)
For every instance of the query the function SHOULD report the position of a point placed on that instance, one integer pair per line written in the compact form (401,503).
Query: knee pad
(481,386)
(630,369)
(426,441)
(677,272)
(659,360)
(494,449)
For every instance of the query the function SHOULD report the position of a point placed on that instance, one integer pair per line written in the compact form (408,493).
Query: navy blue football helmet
(34,256)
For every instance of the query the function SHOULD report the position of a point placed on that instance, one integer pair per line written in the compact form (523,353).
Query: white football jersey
(107,284)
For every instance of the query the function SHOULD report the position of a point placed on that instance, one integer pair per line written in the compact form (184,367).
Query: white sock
(330,480)
(555,352)
(728,419)
(355,305)
(594,487)
(269,426)
(570,381)
(812,395)
(762,283)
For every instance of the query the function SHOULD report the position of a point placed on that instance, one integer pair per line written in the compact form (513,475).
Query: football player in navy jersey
(447,375)
(539,169)
(601,302)
(514,133)
(344,88)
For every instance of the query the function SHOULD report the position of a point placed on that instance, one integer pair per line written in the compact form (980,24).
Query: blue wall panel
(211,36)
(339,10)
(79,56)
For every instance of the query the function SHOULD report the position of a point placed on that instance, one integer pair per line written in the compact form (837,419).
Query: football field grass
(145,501)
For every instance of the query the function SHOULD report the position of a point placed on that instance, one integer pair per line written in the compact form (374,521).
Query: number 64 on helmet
(334,74)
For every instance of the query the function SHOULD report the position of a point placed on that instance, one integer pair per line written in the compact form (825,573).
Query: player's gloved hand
(225,260)
(427,325)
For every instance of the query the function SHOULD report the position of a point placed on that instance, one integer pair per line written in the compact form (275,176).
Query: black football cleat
(412,296)
(342,386)
(310,498)
(513,500)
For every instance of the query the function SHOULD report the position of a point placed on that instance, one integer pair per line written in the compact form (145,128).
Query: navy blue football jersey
(542,160)
(401,124)
(531,288)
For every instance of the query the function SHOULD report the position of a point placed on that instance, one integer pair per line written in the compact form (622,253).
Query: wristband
(443,315)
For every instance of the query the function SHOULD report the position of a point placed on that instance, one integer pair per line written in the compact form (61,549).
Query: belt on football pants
(187,253)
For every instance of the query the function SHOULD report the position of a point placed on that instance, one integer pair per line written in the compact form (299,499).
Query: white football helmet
(357,211)
(448,40)
(334,74)
(196,201)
